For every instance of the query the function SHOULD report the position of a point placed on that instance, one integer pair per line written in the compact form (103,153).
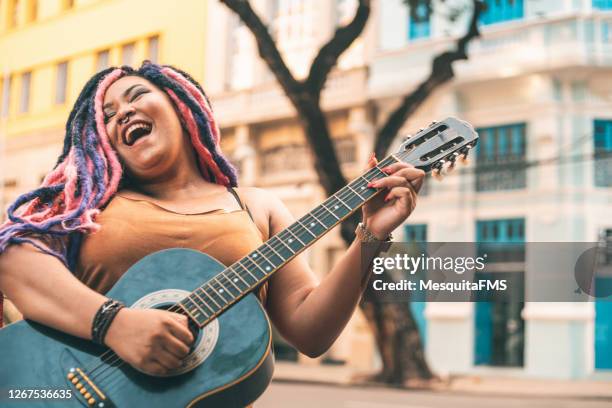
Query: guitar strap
(240,202)
(1,310)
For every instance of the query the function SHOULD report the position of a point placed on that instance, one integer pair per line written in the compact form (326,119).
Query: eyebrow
(125,93)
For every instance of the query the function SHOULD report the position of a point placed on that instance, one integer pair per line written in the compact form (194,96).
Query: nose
(125,113)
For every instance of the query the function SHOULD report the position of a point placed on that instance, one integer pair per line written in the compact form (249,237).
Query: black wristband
(103,319)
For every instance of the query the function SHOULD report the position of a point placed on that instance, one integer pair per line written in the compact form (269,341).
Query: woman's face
(143,127)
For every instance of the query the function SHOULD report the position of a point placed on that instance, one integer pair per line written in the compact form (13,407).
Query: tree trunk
(393,325)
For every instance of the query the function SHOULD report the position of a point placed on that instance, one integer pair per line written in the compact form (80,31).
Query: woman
(141,170)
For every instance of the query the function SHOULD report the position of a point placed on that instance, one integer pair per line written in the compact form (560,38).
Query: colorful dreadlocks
(88,172)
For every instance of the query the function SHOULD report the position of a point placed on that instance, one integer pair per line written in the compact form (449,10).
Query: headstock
(439,146)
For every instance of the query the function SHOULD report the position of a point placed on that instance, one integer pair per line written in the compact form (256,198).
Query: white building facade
(537,85)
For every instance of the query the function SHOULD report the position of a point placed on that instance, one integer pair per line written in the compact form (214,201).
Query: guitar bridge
(86,390)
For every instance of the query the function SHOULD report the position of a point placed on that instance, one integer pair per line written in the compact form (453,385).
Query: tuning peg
(463,158)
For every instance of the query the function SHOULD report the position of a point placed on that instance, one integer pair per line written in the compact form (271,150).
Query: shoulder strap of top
(240,202)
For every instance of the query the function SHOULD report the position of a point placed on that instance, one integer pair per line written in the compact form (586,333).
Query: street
(322,396)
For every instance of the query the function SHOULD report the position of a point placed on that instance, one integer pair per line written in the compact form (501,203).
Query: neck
(181,180)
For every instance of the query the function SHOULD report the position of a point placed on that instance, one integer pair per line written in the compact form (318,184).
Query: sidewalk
(484,385)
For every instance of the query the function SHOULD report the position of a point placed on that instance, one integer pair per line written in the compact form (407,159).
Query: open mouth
(136,131)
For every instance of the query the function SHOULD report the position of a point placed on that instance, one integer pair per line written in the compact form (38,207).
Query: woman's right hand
(153,341)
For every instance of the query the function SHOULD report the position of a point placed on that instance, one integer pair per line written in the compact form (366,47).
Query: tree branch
(265,45)
(441,72)
(328,55)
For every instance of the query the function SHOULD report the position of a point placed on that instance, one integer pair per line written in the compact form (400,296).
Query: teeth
(130,130)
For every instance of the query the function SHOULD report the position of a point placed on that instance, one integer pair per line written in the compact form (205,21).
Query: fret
(318,220)
(249,272)
(282,241)
(350,188)
(307,230)
(295,236)
(222,290)
(232,283)
(189,312)
(209,296)
(257,265)
(182,306)
(330,211)
(312,226)
(268,267)
(270,246)
(195,292)
(237,276)
(345,204)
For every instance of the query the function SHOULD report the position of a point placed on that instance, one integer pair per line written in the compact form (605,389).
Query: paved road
(322,396)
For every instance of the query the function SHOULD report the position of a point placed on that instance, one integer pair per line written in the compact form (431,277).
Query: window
(602,139)
(419,24)
(501,158)
(499,327)
(605,240)
(602,4)
(61,83)
(127,54)
(6,96)
(153,49)
(24,103)
(102,60)
(509,232)
(497,11)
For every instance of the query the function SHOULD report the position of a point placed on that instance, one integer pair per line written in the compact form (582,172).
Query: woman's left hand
(393,205)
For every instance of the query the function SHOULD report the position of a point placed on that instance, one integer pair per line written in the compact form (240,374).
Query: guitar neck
(212,298)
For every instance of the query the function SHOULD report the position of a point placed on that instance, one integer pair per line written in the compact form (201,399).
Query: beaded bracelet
(103,319)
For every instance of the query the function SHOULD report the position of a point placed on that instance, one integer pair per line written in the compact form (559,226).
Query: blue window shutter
(602,4)
(420,27)
(602,143)
(498,11)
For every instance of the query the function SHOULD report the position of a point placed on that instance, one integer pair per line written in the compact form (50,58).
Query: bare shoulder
(256,197)
(267,209)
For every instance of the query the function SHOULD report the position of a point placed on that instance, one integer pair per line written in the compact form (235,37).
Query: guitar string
(337,195)
(317,214)
(111,368)
(323,211)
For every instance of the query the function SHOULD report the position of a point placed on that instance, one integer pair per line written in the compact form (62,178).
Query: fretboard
(212,298)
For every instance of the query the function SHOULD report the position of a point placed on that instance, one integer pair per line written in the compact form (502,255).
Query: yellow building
(50,48)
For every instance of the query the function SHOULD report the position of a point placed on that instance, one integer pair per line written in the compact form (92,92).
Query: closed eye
(108,117)
(138,93)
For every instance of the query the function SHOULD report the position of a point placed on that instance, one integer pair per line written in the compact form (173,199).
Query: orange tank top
(132,229)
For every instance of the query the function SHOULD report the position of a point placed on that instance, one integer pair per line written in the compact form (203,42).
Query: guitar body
(230,365)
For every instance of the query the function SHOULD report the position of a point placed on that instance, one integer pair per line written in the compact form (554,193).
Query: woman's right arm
(44,290)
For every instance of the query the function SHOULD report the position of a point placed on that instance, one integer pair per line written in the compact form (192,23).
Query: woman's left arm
(311,315)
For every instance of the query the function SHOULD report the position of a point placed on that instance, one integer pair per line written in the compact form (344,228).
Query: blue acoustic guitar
(230,364)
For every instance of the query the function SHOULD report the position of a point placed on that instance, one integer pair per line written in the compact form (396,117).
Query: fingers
(402,175)
(167,360)
(175,347)
(372,161)
(154,368)
(178,328)
(400,192)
